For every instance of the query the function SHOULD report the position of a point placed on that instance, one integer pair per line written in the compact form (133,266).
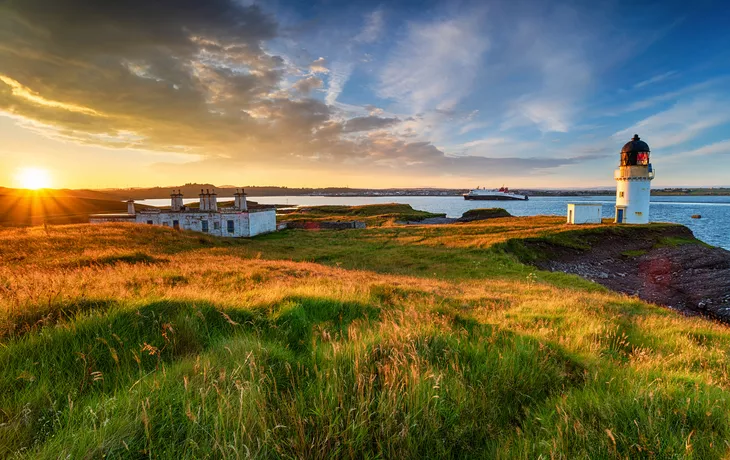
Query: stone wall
(103,219)
(324,225)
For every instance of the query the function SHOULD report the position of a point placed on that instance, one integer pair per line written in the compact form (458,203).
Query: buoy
(696,216)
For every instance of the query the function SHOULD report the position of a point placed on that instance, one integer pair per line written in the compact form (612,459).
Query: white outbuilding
(584,213)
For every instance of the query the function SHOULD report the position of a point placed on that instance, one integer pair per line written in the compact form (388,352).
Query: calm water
(713,227)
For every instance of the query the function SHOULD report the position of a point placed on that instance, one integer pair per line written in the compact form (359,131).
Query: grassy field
(129,341)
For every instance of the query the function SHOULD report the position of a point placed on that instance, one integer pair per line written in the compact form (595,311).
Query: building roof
(191,210)
(115,215)
(635,145)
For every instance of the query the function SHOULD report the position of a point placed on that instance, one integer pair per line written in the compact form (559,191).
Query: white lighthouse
(633,183)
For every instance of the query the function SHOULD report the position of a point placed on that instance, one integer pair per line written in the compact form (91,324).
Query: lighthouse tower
(633,183)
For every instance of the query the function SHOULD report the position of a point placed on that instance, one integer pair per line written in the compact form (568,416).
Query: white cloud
(339,75)
(548,115)
(671,95)
(319,66)
(682,122)
(565,77)
(718,148)
(307,85)
(655,79)
(374,25)
(651,101)
(472,125)
(488,142)
(435,66)
(498,147)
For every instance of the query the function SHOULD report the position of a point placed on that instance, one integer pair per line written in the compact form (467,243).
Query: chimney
(203,201)
(130,207)
(176,201)
(213,203)
(240,200)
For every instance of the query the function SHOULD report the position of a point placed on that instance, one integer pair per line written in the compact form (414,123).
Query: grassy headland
(371,214)
(123,340)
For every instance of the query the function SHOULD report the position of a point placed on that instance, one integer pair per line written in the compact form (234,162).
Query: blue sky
(530,94)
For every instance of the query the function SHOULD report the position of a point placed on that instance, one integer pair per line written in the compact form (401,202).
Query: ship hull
(493,198)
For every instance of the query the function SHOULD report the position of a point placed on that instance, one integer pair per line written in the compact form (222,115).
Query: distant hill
(192,191)
(65,192)
(36,207)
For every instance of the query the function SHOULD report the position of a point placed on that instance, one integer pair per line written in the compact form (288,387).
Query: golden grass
(254,354)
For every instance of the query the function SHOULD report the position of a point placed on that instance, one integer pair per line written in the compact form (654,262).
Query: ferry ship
(501,193)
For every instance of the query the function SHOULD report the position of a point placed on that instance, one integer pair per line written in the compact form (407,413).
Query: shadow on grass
(103,354)
(427,394)
(131,258)
(184,377)
(15,324)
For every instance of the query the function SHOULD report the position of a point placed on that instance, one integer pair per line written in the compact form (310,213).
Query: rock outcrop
(666,266)
(472,215)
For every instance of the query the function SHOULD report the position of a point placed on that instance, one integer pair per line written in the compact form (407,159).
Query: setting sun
(33,178)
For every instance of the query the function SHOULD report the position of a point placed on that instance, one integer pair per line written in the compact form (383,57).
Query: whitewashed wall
(584,214)
(245,224)
(217,222)
(634,195)
(262,221)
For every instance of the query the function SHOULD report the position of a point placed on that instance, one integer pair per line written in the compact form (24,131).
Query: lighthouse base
(632,196)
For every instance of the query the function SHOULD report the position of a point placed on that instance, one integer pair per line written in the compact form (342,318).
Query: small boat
(501,193)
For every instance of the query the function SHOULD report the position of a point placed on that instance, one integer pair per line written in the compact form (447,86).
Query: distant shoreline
(192,191)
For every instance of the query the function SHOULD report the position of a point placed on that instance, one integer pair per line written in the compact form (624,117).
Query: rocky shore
(666,266)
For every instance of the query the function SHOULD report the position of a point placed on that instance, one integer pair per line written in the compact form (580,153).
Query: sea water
(713,227)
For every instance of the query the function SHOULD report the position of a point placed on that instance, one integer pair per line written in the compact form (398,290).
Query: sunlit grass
(418,342)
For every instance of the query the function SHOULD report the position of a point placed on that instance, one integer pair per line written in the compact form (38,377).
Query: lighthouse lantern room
(633,183)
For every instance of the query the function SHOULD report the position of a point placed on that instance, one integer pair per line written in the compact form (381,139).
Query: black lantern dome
(635,152)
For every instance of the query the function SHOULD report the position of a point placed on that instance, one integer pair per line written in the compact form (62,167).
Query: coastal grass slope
(123,340)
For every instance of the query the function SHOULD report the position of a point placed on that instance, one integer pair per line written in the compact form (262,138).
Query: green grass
(674,241)
(126,341)
(372,214)
(485,213)
(531,249)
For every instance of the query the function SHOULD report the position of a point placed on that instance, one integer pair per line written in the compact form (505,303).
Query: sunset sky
(392,94)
